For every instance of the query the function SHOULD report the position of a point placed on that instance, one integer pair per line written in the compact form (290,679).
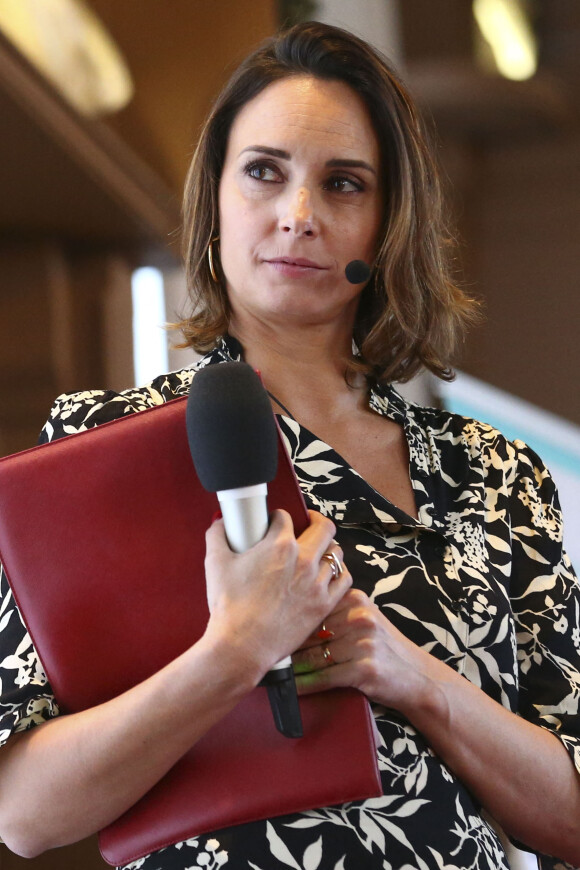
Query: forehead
(302,110)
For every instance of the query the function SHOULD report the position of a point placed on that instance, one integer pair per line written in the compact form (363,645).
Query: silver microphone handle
(245,515)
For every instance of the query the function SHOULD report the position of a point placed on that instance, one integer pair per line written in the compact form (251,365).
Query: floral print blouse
(480,580)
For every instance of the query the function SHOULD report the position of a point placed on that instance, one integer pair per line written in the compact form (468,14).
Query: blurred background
(100,106)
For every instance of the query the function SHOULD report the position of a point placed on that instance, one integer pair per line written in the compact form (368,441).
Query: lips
(298,262)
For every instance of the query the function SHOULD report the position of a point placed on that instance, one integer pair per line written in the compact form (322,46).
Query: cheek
(230,230)
(235,242)
(371,240)
(357,242)
(230,255)
(371,222)
(242,228)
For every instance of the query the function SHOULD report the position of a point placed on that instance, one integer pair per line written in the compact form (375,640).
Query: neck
(278,350)
(303,369)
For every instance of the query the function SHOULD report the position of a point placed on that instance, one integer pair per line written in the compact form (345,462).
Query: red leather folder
(102,537)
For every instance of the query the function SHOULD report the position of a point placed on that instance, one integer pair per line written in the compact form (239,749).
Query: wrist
(427,701)
(233,661)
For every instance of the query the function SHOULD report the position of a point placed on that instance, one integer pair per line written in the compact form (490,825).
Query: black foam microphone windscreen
(231,428)
(357,272)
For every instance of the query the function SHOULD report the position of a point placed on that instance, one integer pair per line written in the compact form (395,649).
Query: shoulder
(77,412)
(474,438)
(476,467)
(443,430)
(458,444)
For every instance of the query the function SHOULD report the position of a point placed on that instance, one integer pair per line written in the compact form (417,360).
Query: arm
(263,603)
(519,772)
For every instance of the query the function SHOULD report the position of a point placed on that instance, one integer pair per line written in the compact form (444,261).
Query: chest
(377,449)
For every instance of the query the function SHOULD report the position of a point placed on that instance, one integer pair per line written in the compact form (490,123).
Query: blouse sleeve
(26,698)
(545,595)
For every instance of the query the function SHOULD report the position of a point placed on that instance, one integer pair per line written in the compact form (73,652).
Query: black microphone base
(283,699)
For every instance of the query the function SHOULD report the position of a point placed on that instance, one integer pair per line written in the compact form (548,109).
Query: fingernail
(216,516)
(324,634)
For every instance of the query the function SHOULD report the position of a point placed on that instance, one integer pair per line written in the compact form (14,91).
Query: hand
(365,651)
(506,762)
(270,598)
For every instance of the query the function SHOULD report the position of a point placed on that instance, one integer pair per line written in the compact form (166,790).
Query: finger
(338,676)
(313,640)
(330,630)
(314,541)
(332,560)
(280,522)
(318,536)
(319,657)
(336,624)
(215,538)
(339,622)
(326,631)
(217,547)
(337,588)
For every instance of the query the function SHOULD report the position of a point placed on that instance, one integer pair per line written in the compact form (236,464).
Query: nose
(297,217)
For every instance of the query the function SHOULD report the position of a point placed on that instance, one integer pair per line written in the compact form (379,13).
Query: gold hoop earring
(210,260)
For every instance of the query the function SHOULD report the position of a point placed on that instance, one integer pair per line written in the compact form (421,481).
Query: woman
(463,626)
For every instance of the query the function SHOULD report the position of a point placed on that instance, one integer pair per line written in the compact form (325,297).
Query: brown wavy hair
(411,312)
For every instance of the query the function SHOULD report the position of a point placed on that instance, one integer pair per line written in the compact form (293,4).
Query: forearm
(65,779)
(519,772)
(73,775)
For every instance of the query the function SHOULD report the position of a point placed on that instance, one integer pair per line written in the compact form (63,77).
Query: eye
(343,184)
(262,171)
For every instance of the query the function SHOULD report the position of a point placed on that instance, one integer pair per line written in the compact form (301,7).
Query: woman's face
(299,198)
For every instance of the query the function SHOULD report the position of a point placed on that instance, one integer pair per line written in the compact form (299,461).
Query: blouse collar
(386,401)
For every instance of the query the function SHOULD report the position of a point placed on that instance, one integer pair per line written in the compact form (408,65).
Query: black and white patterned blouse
(479,580)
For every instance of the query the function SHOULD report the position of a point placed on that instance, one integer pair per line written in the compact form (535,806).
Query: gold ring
(334,563)
(327,655)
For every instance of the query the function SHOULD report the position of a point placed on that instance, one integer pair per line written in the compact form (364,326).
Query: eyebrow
(335,163)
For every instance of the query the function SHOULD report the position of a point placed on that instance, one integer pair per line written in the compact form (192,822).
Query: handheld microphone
(233,441)
(357,272)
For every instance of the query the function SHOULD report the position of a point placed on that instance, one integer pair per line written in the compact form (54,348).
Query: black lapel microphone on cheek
(233,441)
(357,272)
